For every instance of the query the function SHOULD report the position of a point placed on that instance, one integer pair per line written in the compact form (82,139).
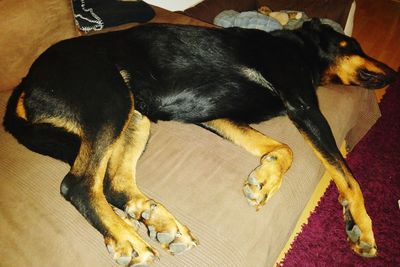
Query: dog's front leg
(315,129)
(275,159)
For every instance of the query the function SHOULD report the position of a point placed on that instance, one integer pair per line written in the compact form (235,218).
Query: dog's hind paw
(127,248)
(361,241)
(162,226)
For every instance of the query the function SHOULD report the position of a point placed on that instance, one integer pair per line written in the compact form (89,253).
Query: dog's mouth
(371,80)
(375,80)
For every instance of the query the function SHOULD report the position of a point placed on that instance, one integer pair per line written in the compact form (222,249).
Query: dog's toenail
(271,158)
(135,223)
(130,212)
(344,203)
(253,180)
(252,202)
(134,254)
(165,238)
(248,192)
(177,248)
(120,213)
(354,234)
(110,249)
(178,234)
(152,232)
(146,214)
(124,260)
(365,245)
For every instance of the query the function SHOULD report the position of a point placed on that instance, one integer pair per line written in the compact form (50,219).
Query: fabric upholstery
(28,28)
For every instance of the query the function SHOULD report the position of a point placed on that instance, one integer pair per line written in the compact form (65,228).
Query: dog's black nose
(391,75)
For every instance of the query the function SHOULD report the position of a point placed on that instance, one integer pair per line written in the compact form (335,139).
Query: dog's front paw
(359,231)
(162,226)
(266,179)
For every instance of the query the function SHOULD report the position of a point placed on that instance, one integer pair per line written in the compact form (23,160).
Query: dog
(89,101)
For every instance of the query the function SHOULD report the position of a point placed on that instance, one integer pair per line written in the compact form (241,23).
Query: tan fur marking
(69,126)
(20,109)
(127,152)
(253,141)
(80,163)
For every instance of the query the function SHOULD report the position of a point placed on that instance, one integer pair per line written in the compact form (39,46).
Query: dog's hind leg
(122,191)
(96,110)
(84,187)
(275,158)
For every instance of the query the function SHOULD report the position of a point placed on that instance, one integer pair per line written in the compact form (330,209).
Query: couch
(195,174)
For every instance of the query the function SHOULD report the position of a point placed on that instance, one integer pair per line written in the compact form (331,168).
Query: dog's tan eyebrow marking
(20,109)
(255,76)
(343,43)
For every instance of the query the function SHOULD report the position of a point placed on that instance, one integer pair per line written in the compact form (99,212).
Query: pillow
(248,20)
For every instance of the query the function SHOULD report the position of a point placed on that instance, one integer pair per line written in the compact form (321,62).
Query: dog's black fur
(188,74)
(183,73)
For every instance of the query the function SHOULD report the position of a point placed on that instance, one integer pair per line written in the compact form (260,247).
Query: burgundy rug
(375,163)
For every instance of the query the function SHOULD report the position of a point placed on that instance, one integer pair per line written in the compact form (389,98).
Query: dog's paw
(127,248)
(161,225)
(359,232)
(264,181)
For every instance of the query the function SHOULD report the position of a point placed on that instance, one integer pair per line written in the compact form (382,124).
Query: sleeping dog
(89,102)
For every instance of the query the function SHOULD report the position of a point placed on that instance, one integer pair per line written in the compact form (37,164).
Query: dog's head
(343,61)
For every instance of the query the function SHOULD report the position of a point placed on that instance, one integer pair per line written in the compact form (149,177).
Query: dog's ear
(313,24)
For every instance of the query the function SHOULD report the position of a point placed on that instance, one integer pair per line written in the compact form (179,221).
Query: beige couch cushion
(194,173)
(27,29)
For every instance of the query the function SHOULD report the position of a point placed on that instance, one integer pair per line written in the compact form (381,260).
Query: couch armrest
(337,10)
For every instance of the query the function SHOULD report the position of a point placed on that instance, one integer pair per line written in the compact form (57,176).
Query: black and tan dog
(89,102)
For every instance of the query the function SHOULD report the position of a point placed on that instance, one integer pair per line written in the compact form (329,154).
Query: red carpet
(375,163)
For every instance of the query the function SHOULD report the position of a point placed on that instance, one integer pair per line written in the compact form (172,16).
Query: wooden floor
(377,28)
